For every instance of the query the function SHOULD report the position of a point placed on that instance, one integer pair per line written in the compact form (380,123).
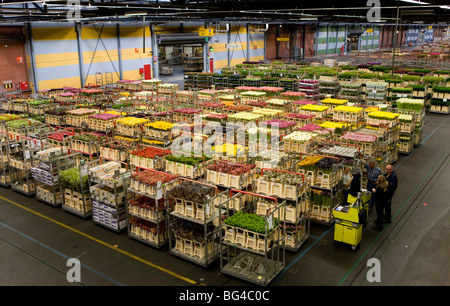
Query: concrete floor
(36,240)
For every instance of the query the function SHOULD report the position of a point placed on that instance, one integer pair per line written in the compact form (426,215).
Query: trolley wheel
(353,247)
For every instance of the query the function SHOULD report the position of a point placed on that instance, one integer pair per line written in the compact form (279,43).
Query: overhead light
(415,2)
(416,12)
(445,7)
(135,14)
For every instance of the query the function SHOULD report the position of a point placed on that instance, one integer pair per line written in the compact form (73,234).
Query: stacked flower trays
(416,108)
(299,141)
(230,174)
(376,93)
(310,87)
(440,100)
(49,164)
(79,117)
(152,185)
(294,189)
(131,126)
(75,183)
(148,157)
(108,194)
(21,161)
(328,88)
(193,222)
(325,192)
(253,244)
(5,148)
(351,92)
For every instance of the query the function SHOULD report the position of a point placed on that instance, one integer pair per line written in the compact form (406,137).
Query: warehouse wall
(57,59)
(300,37)
(225,57)
(331,39)
(13,60)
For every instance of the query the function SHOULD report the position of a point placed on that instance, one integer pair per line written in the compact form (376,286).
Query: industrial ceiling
(248,11)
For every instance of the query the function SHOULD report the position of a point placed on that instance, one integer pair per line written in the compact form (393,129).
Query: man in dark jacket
(391,177)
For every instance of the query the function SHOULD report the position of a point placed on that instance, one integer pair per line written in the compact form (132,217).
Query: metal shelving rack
(203,217)
(109,197)
(254,257)
(21,161)
(296,210)
(330,183)
(5,177)
(46,174)
(154,219)
(78,203)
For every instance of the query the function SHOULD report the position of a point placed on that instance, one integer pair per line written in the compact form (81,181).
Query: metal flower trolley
(50,162)
(107,188)
(21,160)
(75,183)
(254,245)
(293,189)
(193,220)
(147,206)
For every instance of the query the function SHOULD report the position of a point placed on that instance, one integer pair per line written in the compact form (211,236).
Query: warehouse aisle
(37,240)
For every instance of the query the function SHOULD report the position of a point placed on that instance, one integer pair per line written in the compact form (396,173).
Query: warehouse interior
(110,61)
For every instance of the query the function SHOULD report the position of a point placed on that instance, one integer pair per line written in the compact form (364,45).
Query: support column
(228,47)
(119,51)
(248,42)
(32,58)
(80,53)
(155,65)
(205,52)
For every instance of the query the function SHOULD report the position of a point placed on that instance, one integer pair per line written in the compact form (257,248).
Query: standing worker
(346,182)
(380,197)
(372,176)
(391,177)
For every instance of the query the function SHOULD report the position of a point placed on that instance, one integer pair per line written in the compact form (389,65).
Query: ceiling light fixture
(445,7)
(415,2)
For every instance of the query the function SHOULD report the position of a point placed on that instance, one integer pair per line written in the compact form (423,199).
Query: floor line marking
(104,243)
(57,253)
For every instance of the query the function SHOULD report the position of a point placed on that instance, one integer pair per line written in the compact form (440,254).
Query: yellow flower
(132,120)
(348,109)
(334,101)
(160,125)
(332,125)
(314,108)
(383,115)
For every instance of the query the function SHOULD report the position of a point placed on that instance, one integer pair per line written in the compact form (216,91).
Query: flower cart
(299,141)
(185,166)
(186,114)
(348,113)
(254,244)
(21,160)
(79,117)
(131,126)
(75,184)
(107,188)
(319,111)
(193,222)
(145,223)
(230,174)
(49,163)
(148,157)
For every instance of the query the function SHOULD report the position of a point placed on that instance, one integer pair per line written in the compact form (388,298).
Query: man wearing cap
(372,176)
(391,177)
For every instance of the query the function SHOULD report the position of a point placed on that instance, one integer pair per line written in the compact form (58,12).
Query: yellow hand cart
(350,219)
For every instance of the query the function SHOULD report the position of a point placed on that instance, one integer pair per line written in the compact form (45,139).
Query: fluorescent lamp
(445,7)
(415,1)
